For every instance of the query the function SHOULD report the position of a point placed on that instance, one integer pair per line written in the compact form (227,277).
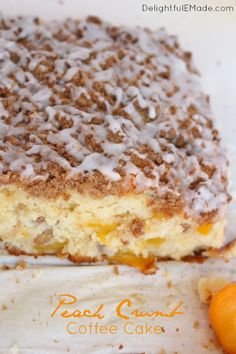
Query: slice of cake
(107,146)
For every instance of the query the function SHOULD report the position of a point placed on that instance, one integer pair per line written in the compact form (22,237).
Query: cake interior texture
(88,227)
(108,149)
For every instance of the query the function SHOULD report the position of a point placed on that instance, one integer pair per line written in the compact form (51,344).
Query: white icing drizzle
(49,71)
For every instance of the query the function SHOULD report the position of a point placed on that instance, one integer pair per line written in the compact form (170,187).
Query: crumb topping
(91,106)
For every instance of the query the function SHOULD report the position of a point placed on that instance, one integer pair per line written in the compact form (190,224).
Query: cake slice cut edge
(121,230)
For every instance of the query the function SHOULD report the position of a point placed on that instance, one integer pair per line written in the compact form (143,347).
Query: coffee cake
(107,144)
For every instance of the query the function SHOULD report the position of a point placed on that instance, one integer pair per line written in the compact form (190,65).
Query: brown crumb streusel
(99,109)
